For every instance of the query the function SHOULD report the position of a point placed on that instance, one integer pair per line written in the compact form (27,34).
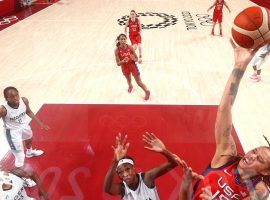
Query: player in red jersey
(229,175)
(126,57)
(135,29)
(217,14)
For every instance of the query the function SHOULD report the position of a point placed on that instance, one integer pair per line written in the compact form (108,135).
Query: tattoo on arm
(237,74)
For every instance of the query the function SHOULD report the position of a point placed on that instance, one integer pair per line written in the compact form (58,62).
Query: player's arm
(126,25)
(156,145)
(33,116)
(134,55)
(3,111)
(225,144)
(212,6)
(226,5)
(117,59)
(32,175)
(186,191)
(140,26)
(120,151)
(110,186)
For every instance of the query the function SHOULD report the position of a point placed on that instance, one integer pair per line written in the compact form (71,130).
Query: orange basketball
(251,27)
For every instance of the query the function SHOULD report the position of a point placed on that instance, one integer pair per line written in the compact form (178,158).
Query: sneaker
(130,89)
(253,76)
(33,153)
(27,182)
(140,60)
(147,95)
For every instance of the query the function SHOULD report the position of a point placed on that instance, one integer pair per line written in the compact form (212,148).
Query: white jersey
(17,191)
(15,117)
(141,193)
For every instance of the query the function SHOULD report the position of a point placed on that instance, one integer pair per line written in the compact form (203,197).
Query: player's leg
(143,86)
(130,87)
(27,136)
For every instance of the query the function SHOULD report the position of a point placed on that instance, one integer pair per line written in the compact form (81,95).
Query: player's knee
(19,158)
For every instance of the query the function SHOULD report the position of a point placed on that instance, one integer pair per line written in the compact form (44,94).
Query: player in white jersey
(12,185)
(16,128)
(258,60)
(136,186)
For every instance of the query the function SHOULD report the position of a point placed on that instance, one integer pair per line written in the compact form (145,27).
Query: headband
(125,160)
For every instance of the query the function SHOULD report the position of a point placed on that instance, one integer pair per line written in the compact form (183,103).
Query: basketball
(251,27)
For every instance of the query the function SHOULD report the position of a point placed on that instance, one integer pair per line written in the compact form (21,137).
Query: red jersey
(123,53)
(134,27)
(224,183)
(219,6)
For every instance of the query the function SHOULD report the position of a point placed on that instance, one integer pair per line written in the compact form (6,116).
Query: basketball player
(135,186)
(229,175)
(258,60)
(135,30)
(16,128)
(126,57)
(12,185)
(217,14)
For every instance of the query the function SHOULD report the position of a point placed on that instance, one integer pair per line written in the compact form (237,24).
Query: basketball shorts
(260,56)
(217,17)
(135,39)
(16,137)
(130,68)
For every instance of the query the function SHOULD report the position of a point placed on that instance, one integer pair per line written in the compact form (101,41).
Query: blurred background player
(12,185)
(16,128)
(217,14)
(135,30)
(126,57)
(258,60)
(136,186)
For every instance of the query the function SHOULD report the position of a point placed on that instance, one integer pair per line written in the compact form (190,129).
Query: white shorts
(16,137)
(260,56)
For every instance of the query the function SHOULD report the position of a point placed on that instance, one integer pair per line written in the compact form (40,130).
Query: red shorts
(135,39)
(130,68)
(217,16)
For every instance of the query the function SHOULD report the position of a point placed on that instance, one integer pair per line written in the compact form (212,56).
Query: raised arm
(156,145)
(32,175)
(120,150)
(225,144)
(33,116)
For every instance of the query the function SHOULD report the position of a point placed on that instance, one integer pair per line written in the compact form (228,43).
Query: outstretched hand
(44,126)
(242,56)
(155,144)
(120,149)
